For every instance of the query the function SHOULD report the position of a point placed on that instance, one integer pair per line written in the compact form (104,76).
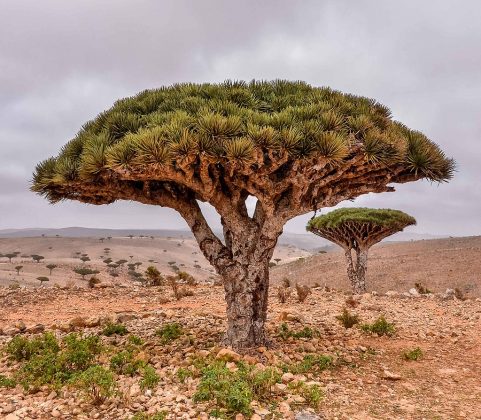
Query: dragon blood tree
(294,147)
(358,229)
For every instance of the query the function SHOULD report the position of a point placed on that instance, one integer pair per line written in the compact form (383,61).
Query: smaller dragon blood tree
(359,229)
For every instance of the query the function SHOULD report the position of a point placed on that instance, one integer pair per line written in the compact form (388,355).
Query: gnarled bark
(356,270)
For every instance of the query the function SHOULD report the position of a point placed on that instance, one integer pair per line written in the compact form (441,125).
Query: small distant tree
(42,279)
(293,147)
(153,276)
(10,255)
(358,229)
(121,262)
(131,236)
(84,258)
(108,261)
(18,268)
(37,258)
(102,240)
(83,271)
(51,267)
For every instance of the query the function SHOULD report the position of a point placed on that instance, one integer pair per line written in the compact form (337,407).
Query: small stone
(52,395)
(239,416)
(92,322)
(126,316)
(391,376)
(36,329)
(55,413)
(134,390)
(20,325)
(256,417)
(9,408)
(287,377)
(77,322)
(228,355)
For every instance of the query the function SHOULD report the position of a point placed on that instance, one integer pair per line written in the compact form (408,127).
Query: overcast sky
(63,62)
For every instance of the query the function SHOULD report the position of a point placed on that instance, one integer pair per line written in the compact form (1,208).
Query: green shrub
(135,340)
(22,348)
(379,327)
(311,362)
(414,354)
(183,374)
(7,382)
(150,378)
(233,392)
(114,329)
(79,352)
(161,415)
(313,395)
(96,383)
(125,363)
(347,319)
(284,332)
(55,364)
(170,332)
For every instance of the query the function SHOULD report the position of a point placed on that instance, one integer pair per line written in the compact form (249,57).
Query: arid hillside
(165,253)
(438,264)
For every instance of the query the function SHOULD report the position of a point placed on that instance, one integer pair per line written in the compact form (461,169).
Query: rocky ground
(368,377)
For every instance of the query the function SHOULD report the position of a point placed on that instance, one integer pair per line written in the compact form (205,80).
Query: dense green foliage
(47,361)
(170,332)
(228,122)
(380,327)
(96,383)
(361,215)
(233,391)
(114,329)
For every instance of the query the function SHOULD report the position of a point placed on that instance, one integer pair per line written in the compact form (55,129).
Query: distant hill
(305,241)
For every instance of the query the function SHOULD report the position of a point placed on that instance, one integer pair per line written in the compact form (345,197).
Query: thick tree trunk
(356,270)
(360,286)
(246,293)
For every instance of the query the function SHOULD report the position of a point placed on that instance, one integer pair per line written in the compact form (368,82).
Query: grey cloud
(63,62)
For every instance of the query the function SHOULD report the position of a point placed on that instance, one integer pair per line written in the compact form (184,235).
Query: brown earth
(438,264)
(370,379)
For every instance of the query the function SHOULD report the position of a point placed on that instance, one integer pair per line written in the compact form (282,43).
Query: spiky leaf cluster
(359,227)
(361,215)
(235,123)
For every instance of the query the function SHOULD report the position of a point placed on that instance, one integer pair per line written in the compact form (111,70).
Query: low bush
(96,383)
(413,355)
(379,327)
(233,391)
(302,292)
(284,332)
(283,294)
(55,364)
(21,348)
(170,332)
(150,378)
(6,382)
(183,373)
(135,340)
(347,319)
(125,363)
(114,329)
(313,394)
(311,363)
(161,415)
